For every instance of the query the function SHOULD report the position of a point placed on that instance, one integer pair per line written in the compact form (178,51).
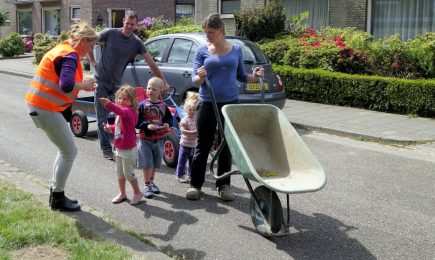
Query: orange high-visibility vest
(44,91)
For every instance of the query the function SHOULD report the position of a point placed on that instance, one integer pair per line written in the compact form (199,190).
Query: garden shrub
(353,38)
(28,45)
(12,45)
(422,50)
(176,29)
(274,50)
(298,23)
(42,44)
(362,91)
(260,22)
(63,36)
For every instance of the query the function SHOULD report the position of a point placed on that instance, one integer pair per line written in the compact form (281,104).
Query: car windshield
(251,53)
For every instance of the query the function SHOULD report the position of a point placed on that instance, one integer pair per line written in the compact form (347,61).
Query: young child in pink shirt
(124,141)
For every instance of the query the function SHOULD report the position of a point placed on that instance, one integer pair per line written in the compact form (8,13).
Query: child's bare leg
(121,185)
(135,185)
(148,174)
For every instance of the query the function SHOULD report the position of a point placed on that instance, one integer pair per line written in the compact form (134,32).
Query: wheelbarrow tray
(86,105)
(267,149)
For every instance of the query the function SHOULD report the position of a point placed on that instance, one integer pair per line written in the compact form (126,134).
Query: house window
(116,16)
(405,17)
(51,21)
(183,10)
(318,10)
(228,7)
(75,13)
(24,24)
(8,17)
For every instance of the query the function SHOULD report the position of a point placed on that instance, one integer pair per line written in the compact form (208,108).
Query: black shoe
(108,155)
(74,201)
(59,202)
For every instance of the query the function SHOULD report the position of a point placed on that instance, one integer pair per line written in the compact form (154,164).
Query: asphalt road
(378,202)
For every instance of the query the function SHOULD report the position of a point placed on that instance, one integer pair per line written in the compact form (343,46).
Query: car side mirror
(156,59)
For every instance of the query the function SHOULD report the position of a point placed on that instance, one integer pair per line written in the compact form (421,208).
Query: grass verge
(26,224)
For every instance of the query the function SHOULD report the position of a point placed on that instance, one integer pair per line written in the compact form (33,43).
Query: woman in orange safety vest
(54,87)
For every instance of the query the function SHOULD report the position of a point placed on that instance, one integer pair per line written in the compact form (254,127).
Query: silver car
(174,54)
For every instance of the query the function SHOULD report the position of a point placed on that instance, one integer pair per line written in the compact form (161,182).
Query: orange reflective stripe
(46,104)
(52,88)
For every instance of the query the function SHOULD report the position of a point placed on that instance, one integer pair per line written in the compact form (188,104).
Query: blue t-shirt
(117,51)
(223,73)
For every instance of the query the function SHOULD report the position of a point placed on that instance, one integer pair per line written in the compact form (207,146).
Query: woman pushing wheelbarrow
(222,63)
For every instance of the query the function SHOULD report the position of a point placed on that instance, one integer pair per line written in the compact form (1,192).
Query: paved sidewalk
(333,119)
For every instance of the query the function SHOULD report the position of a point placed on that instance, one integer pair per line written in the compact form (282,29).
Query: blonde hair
(82,30)
(129,92)
(192,100)
(156,82)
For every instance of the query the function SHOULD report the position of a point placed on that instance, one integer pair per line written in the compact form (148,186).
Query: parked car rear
(174,54)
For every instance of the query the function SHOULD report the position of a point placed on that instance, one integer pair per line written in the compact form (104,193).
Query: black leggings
(206,127)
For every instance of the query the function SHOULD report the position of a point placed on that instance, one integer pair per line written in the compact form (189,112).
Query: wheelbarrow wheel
(79,123)
(270,207)
(171,145)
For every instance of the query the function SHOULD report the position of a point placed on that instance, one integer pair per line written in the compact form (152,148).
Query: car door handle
(186,74)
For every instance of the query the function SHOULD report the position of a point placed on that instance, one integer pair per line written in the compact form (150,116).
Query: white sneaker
(182,179)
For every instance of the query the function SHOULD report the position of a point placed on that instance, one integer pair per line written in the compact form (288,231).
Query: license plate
(257,87)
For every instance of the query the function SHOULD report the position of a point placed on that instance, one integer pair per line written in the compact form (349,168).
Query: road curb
(88,217)
(18,74)
(362,137)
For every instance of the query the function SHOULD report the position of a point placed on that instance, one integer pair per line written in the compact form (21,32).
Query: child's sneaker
(182,179)
(147,193)
(154,188)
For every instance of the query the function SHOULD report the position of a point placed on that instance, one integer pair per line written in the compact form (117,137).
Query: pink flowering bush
(28,45)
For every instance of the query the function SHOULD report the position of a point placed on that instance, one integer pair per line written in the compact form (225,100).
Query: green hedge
(369,92)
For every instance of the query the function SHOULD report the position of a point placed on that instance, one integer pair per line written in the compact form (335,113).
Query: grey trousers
(58,131)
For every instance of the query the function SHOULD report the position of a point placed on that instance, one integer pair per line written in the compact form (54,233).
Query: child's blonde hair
(192,100)
(156,82)
(128,91)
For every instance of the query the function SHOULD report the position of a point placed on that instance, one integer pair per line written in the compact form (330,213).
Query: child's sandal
(119,198)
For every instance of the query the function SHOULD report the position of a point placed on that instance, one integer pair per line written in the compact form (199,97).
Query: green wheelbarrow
(268,150)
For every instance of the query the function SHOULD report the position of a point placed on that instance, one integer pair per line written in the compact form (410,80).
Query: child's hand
(104,101)
(153,127)
(106,127)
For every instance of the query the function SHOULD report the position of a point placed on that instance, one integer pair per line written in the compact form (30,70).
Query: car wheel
(79,123)
(171,145)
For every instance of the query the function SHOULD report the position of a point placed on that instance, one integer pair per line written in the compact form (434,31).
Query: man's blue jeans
(106,90)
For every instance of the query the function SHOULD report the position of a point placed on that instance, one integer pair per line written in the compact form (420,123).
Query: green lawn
(26,225)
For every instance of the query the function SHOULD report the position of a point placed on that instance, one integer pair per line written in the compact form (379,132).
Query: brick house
(379,17)
(54,16)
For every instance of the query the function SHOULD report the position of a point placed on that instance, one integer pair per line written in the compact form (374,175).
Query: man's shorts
(150,153)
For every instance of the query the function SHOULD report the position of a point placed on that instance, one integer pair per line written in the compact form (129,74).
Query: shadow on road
(318,237)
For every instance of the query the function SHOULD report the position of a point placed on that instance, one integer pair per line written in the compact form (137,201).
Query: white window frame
(8,17)
(73,7)
(109,15)
(43,18)
(226,15)
(18,19)
(192,5)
